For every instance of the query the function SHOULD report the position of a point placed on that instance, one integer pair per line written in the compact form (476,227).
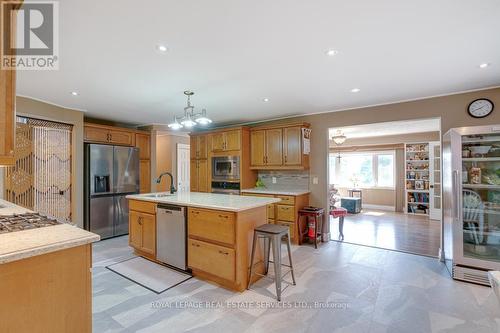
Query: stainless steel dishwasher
(171,246)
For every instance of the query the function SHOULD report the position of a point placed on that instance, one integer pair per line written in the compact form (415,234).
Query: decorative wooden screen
(41,178)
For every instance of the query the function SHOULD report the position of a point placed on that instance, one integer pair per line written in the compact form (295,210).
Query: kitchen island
(219,232)
(45,275)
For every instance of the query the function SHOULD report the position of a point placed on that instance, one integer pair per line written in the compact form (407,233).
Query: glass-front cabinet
(471,183)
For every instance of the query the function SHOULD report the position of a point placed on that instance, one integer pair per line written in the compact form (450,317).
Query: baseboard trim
(380,207)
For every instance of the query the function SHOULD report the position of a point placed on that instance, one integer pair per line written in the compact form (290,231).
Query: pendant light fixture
(190,118)
(339,137)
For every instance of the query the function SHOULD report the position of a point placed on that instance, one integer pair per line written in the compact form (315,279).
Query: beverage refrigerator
(111,173)
(471,187)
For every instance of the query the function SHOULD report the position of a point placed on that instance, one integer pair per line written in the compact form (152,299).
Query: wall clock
(480,108)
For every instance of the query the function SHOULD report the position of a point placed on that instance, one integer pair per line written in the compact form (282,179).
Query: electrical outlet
(315,180)
(274,180)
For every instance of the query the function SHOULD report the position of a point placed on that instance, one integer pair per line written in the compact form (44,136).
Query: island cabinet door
(148,224)
(135,230)
(211,225)
(210,258)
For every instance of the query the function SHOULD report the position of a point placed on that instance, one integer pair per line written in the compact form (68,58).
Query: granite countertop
(276,192)
(232,203)
(29,243)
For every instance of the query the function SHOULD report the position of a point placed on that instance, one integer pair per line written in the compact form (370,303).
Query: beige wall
(373,196)
(451,109)
(165,157)
(389,139)
(36,109)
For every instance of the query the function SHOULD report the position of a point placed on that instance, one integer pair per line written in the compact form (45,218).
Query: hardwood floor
(390,230)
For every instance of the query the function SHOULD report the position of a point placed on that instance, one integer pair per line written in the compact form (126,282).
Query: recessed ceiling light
(74,93)
(355,90)
(161,48)
(484,65)
(265,99)
(332,52)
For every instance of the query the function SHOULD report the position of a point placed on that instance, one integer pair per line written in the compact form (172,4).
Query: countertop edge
(49,248)
(196,205)
(275,192)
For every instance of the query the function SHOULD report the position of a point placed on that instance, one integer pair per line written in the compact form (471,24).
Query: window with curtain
(363,169)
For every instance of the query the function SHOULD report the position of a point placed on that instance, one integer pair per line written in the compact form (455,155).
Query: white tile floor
(366,290)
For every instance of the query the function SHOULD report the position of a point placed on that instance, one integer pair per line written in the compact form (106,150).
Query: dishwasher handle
(169,209)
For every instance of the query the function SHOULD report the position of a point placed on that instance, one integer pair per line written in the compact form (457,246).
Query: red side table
(340,213)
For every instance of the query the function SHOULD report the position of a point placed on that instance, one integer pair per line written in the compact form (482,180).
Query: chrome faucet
(172,187)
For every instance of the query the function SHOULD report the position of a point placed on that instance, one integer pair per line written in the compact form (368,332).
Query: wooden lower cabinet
(48,293)
(220,243)
(199,176)
(142,229)
(213,259)
(212,225)
(286,211)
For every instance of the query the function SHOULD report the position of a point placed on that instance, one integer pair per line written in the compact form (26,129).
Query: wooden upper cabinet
(8,103)
(233,140)
(109,135)
(278,147)
(121,137)
(96,134)
(258,147)
(274,147)
(143,142)
(218,143)
(292,152)
(198,147)
(226,141)
(198,181)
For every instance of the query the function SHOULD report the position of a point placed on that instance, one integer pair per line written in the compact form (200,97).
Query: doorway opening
(388,178)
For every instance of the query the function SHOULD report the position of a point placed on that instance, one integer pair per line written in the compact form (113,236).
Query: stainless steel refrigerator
(111,173)
(471,187)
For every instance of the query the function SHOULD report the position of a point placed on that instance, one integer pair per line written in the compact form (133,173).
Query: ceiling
(233,54)
(389,128)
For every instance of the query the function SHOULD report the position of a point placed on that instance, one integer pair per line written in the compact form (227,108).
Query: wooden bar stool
(273,235)
(314,216)
(340,213)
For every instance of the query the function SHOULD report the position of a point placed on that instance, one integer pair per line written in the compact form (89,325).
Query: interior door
(435,180)
(183,153)
(257,147)
(120,216)
(274,147)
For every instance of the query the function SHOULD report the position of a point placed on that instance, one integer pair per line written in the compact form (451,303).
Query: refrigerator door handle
(456,191)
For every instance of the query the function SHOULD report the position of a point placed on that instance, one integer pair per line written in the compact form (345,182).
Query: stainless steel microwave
(226,168)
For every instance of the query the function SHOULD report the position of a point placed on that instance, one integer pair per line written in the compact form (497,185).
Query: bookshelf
(417,178)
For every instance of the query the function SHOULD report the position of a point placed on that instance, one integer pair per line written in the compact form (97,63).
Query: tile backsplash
(285,180)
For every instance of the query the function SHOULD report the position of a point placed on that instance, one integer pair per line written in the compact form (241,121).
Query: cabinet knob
(223,216)
(222,252)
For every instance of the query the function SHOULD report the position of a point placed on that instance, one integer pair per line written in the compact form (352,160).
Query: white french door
(435,180)
(183,167)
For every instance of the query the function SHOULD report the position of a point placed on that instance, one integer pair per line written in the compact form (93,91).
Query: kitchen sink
(158,195)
